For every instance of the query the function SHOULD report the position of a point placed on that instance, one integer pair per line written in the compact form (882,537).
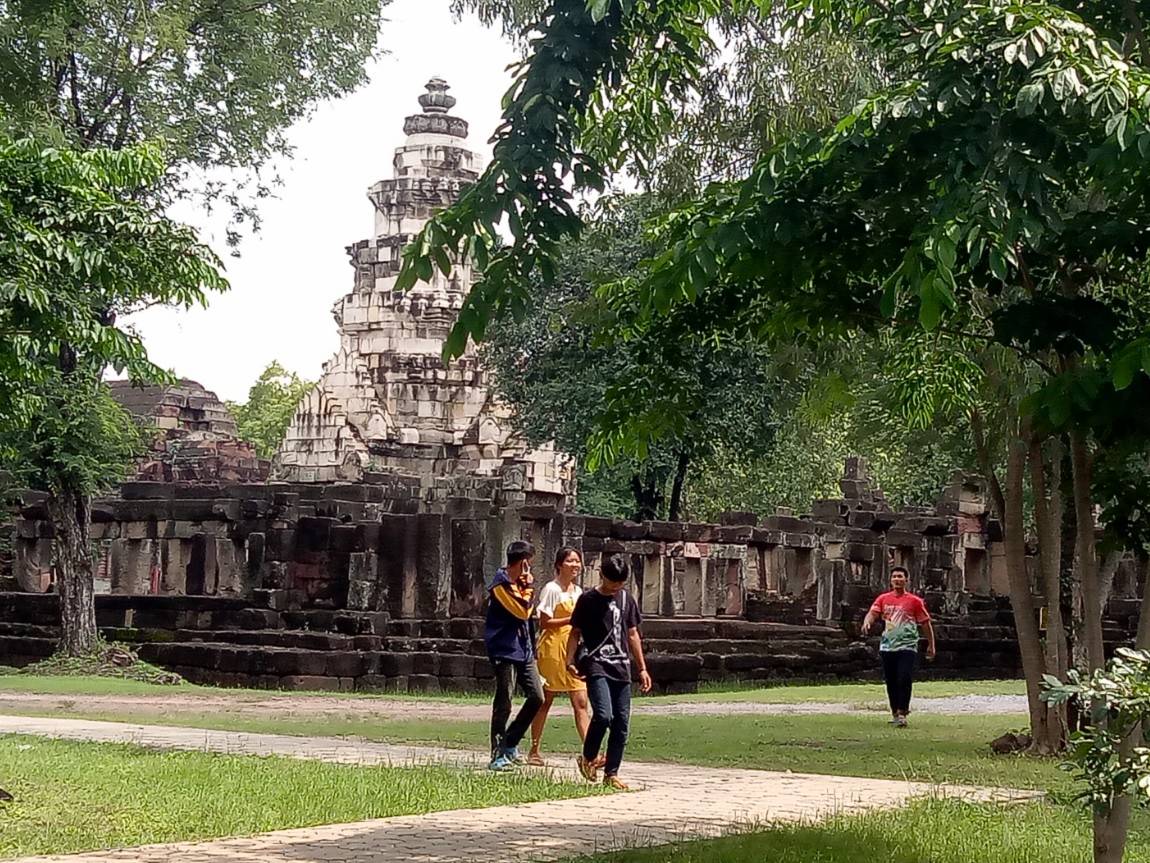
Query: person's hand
(930,653)
(573,670)
(644,681)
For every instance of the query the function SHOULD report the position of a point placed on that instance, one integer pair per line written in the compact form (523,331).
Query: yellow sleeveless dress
(551,651)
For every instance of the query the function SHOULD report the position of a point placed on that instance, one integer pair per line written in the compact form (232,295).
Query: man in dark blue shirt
(507,635)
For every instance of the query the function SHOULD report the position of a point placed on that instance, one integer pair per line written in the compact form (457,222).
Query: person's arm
(546,621)
(929,626)
(636,644)
(513,601)
(572,650)
(871,618)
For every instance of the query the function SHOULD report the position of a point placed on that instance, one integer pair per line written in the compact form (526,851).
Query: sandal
(534,759)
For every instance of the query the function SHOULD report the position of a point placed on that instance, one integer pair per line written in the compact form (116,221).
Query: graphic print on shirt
(900,631)
(613,651)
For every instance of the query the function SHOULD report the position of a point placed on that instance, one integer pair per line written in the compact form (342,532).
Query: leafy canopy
(565,362)
(999,177)
(218,81)
(79,441)
(77,249)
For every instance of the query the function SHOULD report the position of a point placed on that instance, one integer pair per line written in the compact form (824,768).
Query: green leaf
(1126,365)
(442,260)
(1029,98)
(930,307)
(407,277)
(998,264)
(946,253)
(598,9)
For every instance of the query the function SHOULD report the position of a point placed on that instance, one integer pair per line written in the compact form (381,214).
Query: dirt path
(318,706)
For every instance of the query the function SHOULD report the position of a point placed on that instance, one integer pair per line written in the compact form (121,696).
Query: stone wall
(220,580)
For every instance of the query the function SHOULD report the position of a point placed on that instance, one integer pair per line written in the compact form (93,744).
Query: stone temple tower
(387,402)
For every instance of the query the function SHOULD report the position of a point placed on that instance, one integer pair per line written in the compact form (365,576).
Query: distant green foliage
(263,419)
(565,360)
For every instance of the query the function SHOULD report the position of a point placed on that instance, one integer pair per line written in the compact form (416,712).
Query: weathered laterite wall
(381,584)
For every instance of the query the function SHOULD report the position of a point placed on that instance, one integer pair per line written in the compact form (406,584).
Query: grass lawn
(935,749)
(839,693)
(86,796)
(925,832)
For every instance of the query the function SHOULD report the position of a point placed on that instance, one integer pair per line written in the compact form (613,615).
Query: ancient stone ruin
(362,566)
(387,401)
(193,435)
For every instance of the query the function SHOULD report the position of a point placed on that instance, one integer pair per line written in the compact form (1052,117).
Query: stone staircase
(230,642)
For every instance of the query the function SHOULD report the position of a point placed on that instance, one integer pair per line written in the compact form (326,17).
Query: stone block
(666,668)
(738,518)
(741,533)
(316,683)
(458,665)
(346,664)
(665,531)
(623,529)
(699,532)
(594,526)
(424,683)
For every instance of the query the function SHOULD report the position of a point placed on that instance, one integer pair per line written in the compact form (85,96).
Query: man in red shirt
(902,612)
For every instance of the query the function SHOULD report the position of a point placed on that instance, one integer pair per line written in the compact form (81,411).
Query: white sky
(291,274)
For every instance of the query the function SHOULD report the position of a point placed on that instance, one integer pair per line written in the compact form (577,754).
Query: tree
(755,90)
(1111,756)
(994,192)
(80,443)
(218,81)
(76,248)
(563,362)
(263,419)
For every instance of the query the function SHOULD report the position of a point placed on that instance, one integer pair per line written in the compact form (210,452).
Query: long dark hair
(561,556)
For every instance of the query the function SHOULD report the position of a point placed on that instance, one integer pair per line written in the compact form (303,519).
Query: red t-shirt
(902,615)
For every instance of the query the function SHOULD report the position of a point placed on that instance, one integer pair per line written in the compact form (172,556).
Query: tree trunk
(1087,557)
(1112,827)
(648,492)
(676,504)
(1048,524)
(70,513)
(1048,736)
(1047,727)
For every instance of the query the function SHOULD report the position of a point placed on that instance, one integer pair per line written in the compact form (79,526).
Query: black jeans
(507,674)
(898,670)
(610,709)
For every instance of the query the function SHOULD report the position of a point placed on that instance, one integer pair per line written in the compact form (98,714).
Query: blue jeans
(610,709)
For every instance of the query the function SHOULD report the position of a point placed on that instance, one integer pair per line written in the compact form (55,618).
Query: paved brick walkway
(670,803)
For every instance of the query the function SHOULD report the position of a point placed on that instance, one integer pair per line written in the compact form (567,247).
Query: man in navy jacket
(507,635)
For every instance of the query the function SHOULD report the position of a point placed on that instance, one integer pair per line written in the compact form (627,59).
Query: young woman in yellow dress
(556,602)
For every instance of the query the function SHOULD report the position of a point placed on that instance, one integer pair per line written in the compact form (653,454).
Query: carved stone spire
(435,119)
